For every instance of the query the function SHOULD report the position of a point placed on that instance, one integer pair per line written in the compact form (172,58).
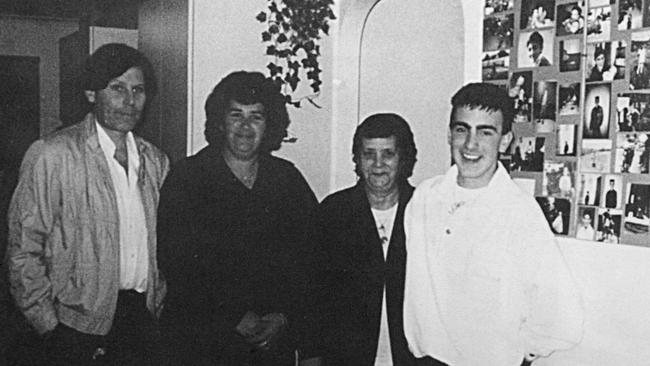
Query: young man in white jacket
(486,283)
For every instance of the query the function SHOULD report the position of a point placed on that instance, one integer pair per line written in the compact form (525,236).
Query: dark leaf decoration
(293,30)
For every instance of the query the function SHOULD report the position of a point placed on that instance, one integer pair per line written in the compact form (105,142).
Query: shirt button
(448,231)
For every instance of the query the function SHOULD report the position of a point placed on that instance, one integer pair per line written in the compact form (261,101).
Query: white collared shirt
(134,258)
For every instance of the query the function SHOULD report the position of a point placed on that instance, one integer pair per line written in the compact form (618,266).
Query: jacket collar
(89,134)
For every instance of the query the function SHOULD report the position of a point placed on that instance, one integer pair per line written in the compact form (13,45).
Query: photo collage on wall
(579,79)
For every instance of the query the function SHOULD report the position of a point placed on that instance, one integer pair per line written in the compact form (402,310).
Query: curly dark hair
(383,125)
(247,88)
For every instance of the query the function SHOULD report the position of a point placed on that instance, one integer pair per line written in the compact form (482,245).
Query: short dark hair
(112,60)
(536,38)
(247,88)
(383,125)
(486,97)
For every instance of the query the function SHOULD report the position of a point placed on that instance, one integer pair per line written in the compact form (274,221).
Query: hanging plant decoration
(293,30)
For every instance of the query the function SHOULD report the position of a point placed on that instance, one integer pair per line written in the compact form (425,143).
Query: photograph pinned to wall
(569,99)
(609,226)
(544,105)
(557,212)
(612,189)
(632,152)
(571,18)
(646,13)
(520,91)
(637,215)
(535,48)
(570,51)
(599,21)
(558,179)
(566,140)
(633,112)
(527,154)
(498,6)
(585,223)
(599,62)
(537,14)
(498,32)
(596,156)
(495,65)
(630,14)
(640,70)
(589,191)
(596,116)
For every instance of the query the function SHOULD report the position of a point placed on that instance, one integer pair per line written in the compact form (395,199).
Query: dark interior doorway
(19,127)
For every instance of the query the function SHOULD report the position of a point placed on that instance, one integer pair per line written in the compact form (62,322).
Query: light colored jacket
(63,250)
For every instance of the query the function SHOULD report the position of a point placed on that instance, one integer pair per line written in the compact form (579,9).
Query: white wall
(412,68)
(39,38)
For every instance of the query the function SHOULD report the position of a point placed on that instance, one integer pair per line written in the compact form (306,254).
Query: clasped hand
(261,332)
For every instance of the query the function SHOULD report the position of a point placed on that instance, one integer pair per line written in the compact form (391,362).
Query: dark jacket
(226,250)
(357,274)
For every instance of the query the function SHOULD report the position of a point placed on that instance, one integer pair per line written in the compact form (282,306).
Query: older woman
(234,235)
(363,236)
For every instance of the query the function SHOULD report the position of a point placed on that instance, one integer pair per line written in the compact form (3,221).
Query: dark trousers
(131,341)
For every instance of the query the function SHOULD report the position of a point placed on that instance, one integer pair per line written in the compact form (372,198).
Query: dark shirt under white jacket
(63,252)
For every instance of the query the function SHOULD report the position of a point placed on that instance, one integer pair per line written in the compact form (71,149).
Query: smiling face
(475,139)
(119,106)
(379,164)
(244,128)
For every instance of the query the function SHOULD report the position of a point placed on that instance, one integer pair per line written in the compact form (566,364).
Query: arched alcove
(403,57)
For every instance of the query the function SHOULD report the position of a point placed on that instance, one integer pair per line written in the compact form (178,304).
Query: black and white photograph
(630,14)
(633,112)
(600,63)
(527,154)
(571,18)
(520,91)
(596,112)
(498,6)
(570,54)
(495,65)
(566,140)
(637,215)
(612,191)
(569,97)
(596,156)
(609,226)
(535,48)
(585,229)
(558,179)
(589,191)
(557,212)
(599,21)
(537,14)
(544,105)
(632,152)
(640,64)
(498,32)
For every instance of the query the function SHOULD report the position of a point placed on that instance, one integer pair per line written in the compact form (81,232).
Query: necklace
(383,220)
